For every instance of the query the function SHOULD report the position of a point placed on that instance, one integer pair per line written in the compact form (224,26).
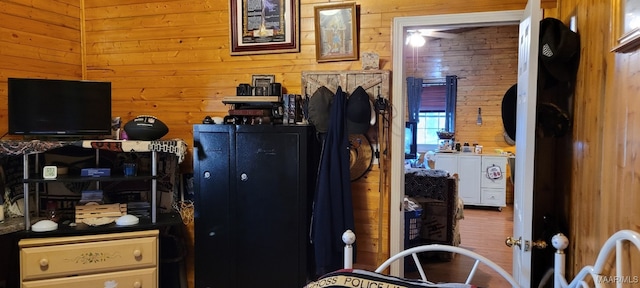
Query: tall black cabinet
(253,191)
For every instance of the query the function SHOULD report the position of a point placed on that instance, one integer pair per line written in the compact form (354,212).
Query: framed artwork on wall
(336,32)
(626,25)
(264,26)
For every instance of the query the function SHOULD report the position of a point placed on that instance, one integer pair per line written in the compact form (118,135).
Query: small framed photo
(336,32)
(261,84)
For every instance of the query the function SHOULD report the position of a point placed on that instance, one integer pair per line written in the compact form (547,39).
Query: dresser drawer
(140,278)
(494,197)
(68,256)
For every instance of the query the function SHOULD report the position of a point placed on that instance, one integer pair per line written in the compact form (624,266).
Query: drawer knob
(44,262)
(137,284)
(137,253)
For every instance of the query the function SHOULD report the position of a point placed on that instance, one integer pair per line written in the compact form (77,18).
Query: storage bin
(412,225)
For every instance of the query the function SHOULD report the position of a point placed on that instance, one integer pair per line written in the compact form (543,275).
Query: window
(428,125)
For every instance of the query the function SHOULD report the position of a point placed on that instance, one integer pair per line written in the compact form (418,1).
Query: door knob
(510,241)
(538,244)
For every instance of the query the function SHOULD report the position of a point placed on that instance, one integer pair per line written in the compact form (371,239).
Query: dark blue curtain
(414,92)
(450,103)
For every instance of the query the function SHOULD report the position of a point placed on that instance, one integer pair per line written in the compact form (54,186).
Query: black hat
(358,112)
(320,108)
(509,108)
(559,49)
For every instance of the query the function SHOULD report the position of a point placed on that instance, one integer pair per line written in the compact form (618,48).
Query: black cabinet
(253,191)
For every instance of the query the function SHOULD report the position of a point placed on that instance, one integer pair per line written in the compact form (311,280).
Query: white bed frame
(559,241)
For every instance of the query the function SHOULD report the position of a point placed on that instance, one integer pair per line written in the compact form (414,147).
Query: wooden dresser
(127,259)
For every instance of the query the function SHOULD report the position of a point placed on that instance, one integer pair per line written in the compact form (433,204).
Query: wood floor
(482,231)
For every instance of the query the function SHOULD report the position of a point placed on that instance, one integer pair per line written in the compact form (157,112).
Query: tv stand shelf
(67,178)
(34,147)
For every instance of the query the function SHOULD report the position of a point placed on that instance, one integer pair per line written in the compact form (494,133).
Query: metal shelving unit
(28,180)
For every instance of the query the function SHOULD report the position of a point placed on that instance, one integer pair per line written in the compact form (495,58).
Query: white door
(525,141)
(525,125)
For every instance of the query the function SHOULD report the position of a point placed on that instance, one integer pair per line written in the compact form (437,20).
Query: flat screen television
(48,107)
(410,140)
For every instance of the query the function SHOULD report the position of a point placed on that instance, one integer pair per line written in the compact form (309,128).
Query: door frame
(484,19)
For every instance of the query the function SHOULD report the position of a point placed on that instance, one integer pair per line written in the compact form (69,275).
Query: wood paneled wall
(38,40)
(171,58)
(604,178)
(486,62)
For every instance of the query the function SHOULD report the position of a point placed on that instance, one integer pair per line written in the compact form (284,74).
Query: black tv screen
(49,107)
(410,140)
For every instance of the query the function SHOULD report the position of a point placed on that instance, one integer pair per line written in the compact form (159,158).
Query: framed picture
(336,32)
(261,84)
(264,26)
(626,25)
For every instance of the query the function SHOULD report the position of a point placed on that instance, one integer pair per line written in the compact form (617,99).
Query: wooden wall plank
(62,28)
(39,39)
(144,8)
(56,12)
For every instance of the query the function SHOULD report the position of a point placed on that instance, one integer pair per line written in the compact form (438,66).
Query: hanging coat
(332,208)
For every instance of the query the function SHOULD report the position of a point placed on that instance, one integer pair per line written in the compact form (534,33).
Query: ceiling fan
(416,37)
(433,33)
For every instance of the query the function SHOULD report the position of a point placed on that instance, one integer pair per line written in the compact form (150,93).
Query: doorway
(399,88)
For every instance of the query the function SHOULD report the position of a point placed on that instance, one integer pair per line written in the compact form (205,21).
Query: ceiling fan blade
(436,34)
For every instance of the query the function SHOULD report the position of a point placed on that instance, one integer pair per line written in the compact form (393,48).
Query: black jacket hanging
(333,209)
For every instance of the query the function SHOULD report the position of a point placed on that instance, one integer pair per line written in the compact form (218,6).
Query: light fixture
(415,39)
(479,120)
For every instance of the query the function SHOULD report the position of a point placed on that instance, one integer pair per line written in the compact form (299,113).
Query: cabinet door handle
(244,177)
(44,262)
(137,253)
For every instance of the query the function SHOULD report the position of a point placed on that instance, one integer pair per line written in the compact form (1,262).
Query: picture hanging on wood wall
(626,25)
(336,32)
(264,26)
